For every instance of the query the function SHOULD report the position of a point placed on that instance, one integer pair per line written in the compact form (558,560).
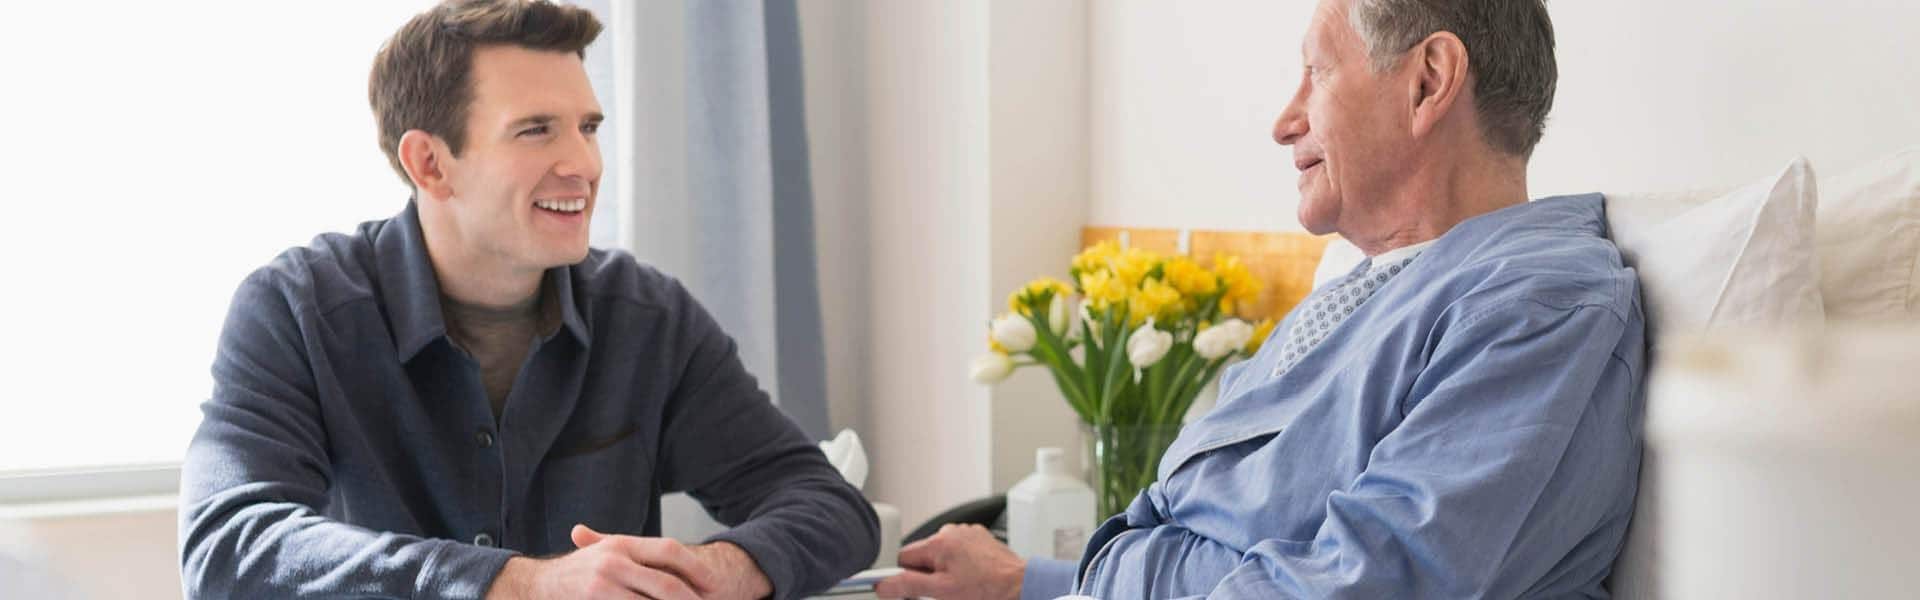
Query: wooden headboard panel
(1283,261)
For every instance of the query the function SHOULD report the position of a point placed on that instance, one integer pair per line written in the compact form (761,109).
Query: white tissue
(848,456)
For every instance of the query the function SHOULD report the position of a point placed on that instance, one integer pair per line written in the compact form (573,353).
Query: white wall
(1654,95)
(1037,83)
(833,40)
(950,166)
(1668,95)
(96,553)
(926,123)
(1183,99)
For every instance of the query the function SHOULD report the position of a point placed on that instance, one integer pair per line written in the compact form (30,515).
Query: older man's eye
(532,131)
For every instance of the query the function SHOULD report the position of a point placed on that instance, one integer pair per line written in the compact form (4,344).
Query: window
(155,153)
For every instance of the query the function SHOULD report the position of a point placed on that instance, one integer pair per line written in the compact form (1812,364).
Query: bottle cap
(1050,461)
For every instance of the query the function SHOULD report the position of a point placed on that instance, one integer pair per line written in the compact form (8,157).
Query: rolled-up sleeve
(257,474)
(1514,449)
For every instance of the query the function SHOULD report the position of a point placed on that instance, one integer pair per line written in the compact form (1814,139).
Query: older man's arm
(802,524)
(1046,578)
(1519,443)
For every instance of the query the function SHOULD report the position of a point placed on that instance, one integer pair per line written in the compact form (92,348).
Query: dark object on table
(989,512)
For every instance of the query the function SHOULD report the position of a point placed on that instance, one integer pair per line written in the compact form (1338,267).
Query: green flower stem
(1095,374)
(1132,414)
(1180,408)
(1066,375)
(1117,366)
(1182,381)
(1127,461)
(1190,384)
(1158,380)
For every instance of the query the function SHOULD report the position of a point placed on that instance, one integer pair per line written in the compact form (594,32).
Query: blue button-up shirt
(1471,431)
(349,448)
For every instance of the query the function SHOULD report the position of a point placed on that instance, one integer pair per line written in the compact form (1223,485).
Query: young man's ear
(1440,65)
(423,156)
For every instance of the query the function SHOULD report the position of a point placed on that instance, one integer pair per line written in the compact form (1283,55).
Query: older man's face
(1344,124)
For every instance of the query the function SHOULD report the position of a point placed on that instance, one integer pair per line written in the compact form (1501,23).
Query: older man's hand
(624,566)
(961,562)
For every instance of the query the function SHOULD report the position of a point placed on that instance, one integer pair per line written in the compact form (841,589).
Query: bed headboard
(1283,261)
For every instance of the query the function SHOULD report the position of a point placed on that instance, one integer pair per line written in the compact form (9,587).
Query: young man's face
(525,184)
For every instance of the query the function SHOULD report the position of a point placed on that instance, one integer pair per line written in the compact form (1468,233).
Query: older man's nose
(1290,127)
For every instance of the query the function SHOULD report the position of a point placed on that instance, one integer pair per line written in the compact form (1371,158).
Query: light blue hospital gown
(1472,430)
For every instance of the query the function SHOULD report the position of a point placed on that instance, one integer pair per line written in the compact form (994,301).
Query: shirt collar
(1396,255)
(410,290)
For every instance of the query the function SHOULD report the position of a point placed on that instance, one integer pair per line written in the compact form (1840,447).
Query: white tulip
(1014,333)
(1088,324)
(990,368)
(1223,339)
(1148,345)
(1058,317)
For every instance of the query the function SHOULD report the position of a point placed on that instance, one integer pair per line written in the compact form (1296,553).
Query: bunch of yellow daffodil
(1145,335)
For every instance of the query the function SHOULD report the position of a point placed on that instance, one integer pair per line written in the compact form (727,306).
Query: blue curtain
(801,345)
(721,197)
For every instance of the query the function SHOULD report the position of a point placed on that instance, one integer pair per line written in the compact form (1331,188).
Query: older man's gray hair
(1509,48)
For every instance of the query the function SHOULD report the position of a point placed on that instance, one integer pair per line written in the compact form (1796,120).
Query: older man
(1457,417)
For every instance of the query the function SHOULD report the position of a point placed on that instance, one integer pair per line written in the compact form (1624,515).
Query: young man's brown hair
(422,77)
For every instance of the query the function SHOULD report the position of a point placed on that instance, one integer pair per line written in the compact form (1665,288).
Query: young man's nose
(581,158)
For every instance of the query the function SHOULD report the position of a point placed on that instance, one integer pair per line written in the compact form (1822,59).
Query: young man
(465,401)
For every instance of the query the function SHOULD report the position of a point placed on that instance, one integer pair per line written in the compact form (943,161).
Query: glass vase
(1122,461)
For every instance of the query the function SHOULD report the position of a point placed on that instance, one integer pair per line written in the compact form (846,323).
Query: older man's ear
(1438,80)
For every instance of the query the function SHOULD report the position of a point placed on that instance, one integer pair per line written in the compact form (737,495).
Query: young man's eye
(590,128)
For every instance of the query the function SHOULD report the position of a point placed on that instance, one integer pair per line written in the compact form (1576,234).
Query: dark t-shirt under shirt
(499,338)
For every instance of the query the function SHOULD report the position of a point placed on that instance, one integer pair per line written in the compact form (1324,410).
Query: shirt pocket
(592,445)
(604,482)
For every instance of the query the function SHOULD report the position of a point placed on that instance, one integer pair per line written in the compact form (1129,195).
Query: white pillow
(1708,260)
(1717,257)
(1739,258)
(1340,257)
(1869,239)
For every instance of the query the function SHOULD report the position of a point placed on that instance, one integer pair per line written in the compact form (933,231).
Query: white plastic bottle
(1050,513)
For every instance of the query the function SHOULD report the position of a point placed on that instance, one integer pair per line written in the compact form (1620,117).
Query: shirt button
(483,438)
(484,540)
